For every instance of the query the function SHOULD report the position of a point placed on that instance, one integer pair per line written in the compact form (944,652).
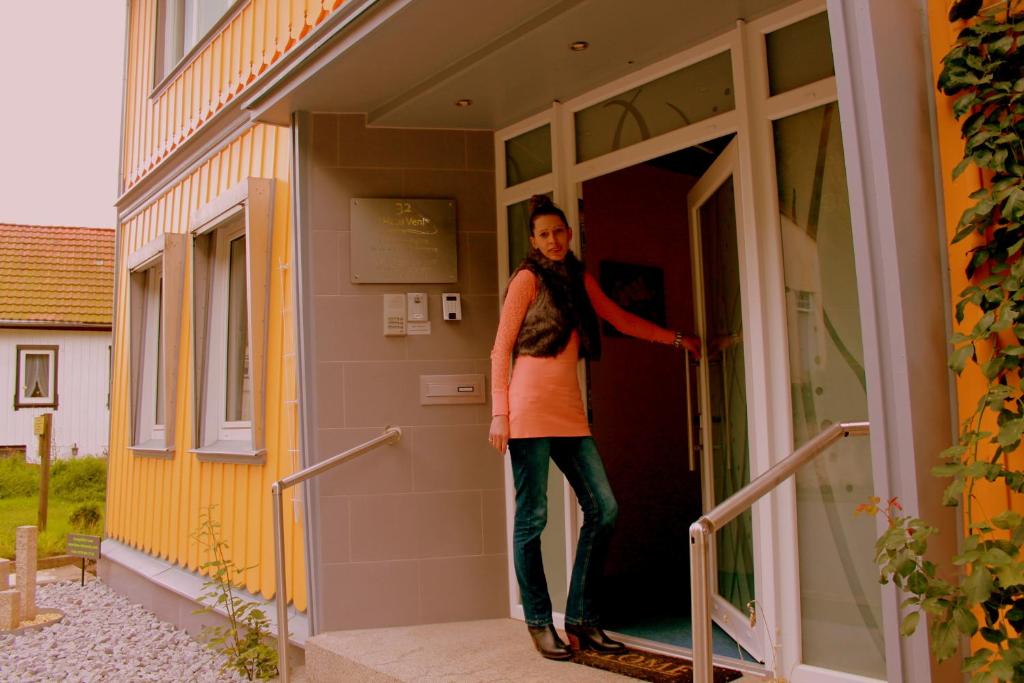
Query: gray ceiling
(510,58)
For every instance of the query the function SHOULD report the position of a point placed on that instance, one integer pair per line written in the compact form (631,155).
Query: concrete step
(490,650)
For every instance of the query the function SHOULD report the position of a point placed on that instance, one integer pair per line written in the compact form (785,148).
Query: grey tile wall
(413,532)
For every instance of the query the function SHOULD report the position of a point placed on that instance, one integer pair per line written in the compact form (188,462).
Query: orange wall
(154,504)
(990,498)
(257,37)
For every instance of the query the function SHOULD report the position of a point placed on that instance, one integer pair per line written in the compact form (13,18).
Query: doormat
(648,666)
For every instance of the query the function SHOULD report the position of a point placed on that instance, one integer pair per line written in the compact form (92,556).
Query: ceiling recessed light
(464,102)
(579,46)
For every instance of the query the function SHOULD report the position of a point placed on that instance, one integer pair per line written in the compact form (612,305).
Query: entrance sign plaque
(399,240)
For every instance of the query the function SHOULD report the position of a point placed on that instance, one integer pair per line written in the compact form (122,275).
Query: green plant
(79,479)
(18,479)
(984,72)
(86,517)
(245,641)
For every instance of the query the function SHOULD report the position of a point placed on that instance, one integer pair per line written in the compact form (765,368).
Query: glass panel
(238,384)
(190,33)
(799,54)
(159,420)
(200,16)
(840,595)
(518,232)
(37,376)
(209,12)
(171,15)
(692,94)
(727,389)
(528,156)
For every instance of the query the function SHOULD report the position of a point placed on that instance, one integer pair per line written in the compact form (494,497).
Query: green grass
(15,512)
(72,484)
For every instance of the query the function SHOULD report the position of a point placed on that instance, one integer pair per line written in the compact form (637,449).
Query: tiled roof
(56,275)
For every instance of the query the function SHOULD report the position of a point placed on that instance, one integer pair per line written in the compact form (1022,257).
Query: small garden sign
(84,546)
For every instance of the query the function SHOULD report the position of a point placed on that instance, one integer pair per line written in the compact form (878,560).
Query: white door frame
(762,287)
(737,624)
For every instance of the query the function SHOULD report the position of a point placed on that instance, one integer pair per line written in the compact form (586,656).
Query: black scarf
(561,307)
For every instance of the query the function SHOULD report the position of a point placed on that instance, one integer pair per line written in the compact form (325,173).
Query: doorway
(637,237)
(787,169)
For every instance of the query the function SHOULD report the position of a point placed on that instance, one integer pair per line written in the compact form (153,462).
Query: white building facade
(55,312)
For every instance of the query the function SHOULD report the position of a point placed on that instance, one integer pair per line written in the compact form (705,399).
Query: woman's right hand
(499,433)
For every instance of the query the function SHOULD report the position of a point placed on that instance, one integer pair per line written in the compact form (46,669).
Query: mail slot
(451,389)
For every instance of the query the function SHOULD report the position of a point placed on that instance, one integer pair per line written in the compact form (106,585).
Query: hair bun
(540,201)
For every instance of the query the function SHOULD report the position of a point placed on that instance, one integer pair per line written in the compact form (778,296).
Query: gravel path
(104,637)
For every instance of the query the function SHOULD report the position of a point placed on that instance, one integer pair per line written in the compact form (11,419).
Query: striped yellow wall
(990,497)
(254,39)
(153,504)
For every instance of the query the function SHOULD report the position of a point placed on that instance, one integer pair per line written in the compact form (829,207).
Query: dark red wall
(638,215)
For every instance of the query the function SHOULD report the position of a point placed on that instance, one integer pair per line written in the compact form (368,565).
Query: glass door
(722,396)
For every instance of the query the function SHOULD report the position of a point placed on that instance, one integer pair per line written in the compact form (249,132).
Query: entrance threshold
(746,666)
(464,651)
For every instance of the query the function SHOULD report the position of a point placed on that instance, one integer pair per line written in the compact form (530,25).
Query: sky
(61,64)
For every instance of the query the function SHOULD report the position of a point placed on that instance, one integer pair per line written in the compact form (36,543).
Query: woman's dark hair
(541,205)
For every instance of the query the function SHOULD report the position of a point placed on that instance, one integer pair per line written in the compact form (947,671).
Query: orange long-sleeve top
(542,397)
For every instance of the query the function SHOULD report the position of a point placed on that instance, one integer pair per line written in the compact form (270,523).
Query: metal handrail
(390,435)
(703,530)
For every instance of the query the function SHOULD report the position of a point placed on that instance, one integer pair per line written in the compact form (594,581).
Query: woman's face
(551,237)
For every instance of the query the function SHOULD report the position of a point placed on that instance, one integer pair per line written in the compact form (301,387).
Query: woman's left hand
(691,344)
(721,343)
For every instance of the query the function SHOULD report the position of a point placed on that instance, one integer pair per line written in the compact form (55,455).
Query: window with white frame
(227,409)
(230,289)
(36,377)
(181,25)
(156,280)
(150,417)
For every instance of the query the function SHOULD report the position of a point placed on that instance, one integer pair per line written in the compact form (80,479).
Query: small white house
(56,295)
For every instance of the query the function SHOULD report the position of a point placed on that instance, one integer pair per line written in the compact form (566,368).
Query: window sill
(153,448)
(27,406)
(233,452)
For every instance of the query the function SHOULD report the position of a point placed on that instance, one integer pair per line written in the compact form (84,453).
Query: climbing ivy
(984,72)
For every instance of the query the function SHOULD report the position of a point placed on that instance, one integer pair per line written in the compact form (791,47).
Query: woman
(548,321)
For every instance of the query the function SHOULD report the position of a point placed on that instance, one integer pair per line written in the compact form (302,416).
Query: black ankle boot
(591,638)
(548,644)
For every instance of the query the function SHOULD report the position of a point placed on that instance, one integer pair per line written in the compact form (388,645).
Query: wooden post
(42,427)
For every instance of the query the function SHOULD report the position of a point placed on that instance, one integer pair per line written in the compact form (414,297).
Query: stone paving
(104,637)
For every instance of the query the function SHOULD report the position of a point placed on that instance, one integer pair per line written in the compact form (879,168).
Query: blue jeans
(579,460)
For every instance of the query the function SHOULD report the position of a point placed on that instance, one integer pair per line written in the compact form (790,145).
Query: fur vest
(560,307)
